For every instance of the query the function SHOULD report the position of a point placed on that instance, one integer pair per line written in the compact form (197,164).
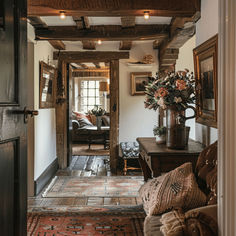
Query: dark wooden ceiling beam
(89,45)
(127,21)
(100,56)
(114,8)
(125,45)
(82,22)
(103,32)
(36,22)
(59,45)
(181,30)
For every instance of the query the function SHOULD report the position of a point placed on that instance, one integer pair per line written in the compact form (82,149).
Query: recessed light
(62,15)
(99,41)
(146,15)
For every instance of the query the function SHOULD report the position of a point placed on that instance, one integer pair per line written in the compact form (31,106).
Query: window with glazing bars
(89,95)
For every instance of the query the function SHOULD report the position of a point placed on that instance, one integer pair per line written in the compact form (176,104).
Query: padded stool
(129,150)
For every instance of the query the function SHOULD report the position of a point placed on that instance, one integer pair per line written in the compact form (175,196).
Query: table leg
(125,167)
(145,168)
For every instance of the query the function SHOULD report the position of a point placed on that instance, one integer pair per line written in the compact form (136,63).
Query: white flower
(177,99)
(161,103)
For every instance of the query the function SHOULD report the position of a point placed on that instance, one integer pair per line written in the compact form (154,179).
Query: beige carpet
(95,150)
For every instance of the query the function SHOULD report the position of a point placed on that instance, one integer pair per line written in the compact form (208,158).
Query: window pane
(84,92)
(90,107)
(91,101)
(97,92)
(91,84)
(97,84)
(91,93)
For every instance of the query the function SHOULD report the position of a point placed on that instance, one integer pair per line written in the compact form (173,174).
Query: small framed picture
(138,82)
(205,66)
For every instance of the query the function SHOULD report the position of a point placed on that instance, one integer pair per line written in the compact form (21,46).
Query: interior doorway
(65,58)
(88,109)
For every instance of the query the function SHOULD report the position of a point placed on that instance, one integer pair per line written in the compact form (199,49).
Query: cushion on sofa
(106,120)
(84,122)
(177,188)
(75,124)
(206,172)
(196,222)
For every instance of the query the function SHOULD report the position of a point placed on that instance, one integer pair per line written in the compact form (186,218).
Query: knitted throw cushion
(177,188)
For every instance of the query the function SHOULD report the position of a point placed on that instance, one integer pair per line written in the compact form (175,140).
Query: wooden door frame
(61,107)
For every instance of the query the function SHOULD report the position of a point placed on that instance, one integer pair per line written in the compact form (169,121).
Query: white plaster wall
(185,60)
(207,27)
(135,120)
(45,122)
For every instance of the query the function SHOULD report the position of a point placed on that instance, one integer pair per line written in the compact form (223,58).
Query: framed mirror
(46,85)
(205,66)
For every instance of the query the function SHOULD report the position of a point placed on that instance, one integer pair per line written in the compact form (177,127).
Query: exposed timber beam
(89,45)
(127,21)
(181,30)
(82,22)
(38,23)
(88,56)
(103,32)
(125,45)
(114,8)
(59,45)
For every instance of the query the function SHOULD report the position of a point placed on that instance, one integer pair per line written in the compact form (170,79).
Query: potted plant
(173,92)
(98,112)
(160,134)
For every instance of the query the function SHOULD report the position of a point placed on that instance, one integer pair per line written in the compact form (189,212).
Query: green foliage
(172,89)
(97,111)
(158,131)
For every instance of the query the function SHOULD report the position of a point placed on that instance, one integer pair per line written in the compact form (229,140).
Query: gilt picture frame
(47,81)
(138,82)
(205,66)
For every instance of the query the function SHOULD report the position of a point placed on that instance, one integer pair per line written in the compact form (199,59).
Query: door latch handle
(114,107)
(26,113)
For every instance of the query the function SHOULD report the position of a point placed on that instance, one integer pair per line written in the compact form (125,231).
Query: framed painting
(205,66)
(46,85)
(138,82)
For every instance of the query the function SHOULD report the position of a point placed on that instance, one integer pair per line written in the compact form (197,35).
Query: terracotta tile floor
(85,166)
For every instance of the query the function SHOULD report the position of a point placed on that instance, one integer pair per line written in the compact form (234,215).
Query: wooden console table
(157,158)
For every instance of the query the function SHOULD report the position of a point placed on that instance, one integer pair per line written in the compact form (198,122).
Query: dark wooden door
(70,93)
(13,142)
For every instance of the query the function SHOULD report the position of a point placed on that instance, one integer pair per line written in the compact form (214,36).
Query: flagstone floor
(84,166)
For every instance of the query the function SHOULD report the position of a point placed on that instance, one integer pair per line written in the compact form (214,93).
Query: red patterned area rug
(97,186)
(40,224)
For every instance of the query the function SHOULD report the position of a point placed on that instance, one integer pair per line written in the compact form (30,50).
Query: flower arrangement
(159,131)
(97,111)
(172,89)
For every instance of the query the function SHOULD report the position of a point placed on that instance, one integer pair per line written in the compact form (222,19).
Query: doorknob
(26,113)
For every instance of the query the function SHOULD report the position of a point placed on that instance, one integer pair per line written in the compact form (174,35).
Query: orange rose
(161,92)
(181,84)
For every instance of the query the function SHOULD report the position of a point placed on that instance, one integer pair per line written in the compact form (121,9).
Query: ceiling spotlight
(99,41)
(146,15)
(62,15)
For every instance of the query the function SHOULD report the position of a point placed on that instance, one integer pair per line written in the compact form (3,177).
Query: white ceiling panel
(152,20)
(104,20)
(57,21)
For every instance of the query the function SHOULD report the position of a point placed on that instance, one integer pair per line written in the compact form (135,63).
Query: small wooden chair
(129,150)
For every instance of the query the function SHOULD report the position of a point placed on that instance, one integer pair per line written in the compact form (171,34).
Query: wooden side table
(157,158)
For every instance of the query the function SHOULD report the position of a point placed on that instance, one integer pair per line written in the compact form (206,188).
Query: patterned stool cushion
(129,150)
